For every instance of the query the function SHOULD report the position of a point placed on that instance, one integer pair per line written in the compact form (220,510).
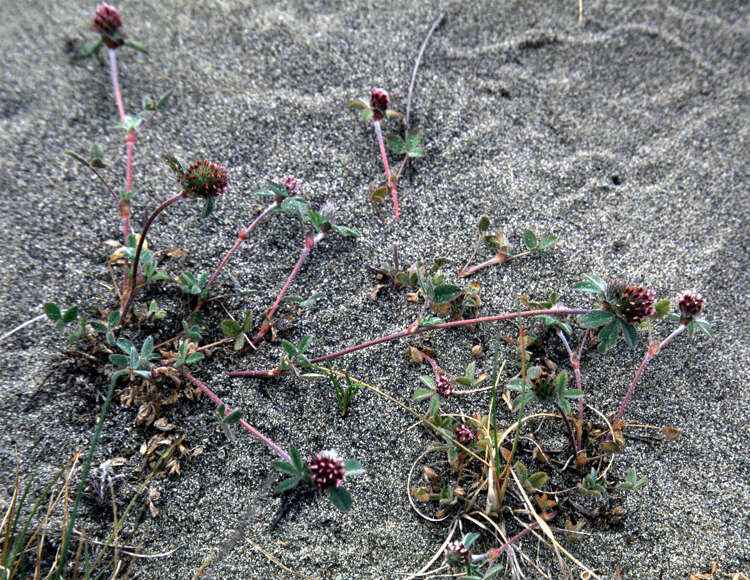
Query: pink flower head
(379,103)
(456,554)
(291,184)
(108,23)
(327,470)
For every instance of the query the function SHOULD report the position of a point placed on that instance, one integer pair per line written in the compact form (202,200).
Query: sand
(626,136)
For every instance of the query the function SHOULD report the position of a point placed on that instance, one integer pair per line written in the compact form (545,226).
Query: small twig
(433,28)
(22,326)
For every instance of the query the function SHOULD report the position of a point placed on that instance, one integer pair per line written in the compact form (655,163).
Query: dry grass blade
(423,570)
(548,532)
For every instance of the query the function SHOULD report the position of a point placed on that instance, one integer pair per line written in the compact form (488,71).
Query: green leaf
(353,467)
(233,417)
(195,357)
(208,207)
(346,231)
(91,47)
(358,104)
(290,349)
(96,152)
(125,345)
(367,114)
(136,45)
(562,381)
(444,293)
(52,311)
(78,158)
(296,459)
(572,394)
(288,484)
(484,224)
(420,394)
(304,343)
(704,327)
(596,318)
(608,335)
(396,144)
(70,315)
(147,348)
(113,319)
(538,479)
(230,328)
(428,381)
(587,287)
(174,164)
(98,326)
(628,331)
(596,281)
(530,240)
(164,98)
(413,148)
(340,498)
(661,308)
(286,467)
(547,242)
(434,406)
(469,539)
(119,360)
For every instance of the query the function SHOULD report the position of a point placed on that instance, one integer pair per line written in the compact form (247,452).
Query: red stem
(384,157)
(130,142)
(211,395)
(115,83)
(131,292)
(496,259)
(241,237)
(575,362)
(495,553)
(310,243)
(653,350)
(421,329)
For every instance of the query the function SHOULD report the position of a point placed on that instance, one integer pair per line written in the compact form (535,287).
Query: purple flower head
(108,23)
(327,470)
(691,304)
(443,384)
(632,303)
(379,102)
(463,434)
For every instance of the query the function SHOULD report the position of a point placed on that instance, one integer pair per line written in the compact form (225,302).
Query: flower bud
(379,102)
(108,23)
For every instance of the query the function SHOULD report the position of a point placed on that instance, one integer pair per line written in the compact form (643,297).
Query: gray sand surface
(626,136)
